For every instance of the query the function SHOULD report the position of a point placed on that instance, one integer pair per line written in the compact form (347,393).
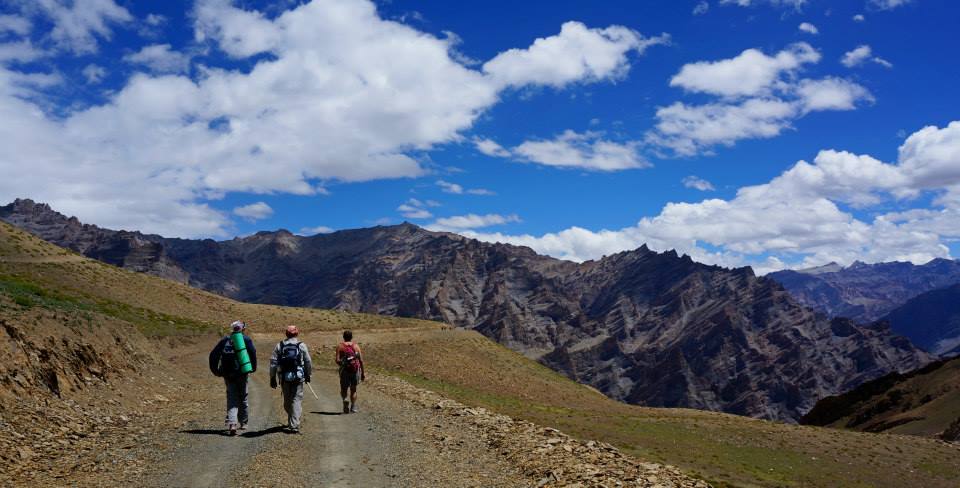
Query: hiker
(225,363)
(350,361)
(290,366)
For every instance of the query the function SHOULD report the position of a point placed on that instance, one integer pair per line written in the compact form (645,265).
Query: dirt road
(382,445)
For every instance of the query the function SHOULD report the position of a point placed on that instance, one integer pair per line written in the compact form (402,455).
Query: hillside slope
(649,328)
(41,280)
(922,402)
(866,292)
(930,320)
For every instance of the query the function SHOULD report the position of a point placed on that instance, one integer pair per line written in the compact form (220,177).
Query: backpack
(290,362)
(228,359)
(351,360)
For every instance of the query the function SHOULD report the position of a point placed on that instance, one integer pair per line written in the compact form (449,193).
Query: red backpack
(350,360)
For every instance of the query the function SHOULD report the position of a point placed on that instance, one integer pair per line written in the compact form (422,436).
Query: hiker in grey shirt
(290,366)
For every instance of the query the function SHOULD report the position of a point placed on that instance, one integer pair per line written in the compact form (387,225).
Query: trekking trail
(382,445)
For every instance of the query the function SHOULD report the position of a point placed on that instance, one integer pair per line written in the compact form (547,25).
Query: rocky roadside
(545,456)
(100,439)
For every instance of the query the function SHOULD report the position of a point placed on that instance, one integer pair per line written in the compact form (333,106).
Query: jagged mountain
(650,328)
(866,292)
(922,402)
(931,320)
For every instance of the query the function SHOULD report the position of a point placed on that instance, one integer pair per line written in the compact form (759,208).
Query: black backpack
(289,359)
(228,359)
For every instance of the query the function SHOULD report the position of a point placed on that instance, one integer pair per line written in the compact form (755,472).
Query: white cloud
(320,229)
(691,129)
(831,94)
(759,96)
(796,218)
(701,7)
(697,183)
(808,28)
(340,94)
(490,148)
(750,73)
(887,4)
(471,221)
(94,74)
(15,24)
(586,150)
(859,18)
(797,4)
(155,20)
(576,54)
(254,211)
(21,51)
(860,54)
(160,58)
(856,56)
(415,209)
(456,189)
(78,24)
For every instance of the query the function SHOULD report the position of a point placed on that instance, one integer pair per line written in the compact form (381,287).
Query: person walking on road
(225,362)
(350,361)
(290,367)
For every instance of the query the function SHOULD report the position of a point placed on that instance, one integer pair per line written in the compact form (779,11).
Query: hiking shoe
(346,407)
(243,426)
(353,409)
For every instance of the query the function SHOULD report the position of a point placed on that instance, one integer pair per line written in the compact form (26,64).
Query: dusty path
(383,445)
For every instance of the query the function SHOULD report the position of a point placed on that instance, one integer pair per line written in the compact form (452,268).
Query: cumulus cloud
(797,218)
(78,24)
(576,54)
(697,183)
(457,189)
(861,54)
(831,94)
(14,24)
(758,96)
(320,229)
(416,209)
(94,74)
(20,51)
(160,58)
(808,28)
(750,73)
(887,4)
(490,148)
(471,221)
(586,150)
(334,93)
(701,7)
(796,4)
(859,18)
(254,211)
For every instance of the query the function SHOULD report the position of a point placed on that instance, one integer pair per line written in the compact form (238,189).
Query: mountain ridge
(650,328)
(866,292)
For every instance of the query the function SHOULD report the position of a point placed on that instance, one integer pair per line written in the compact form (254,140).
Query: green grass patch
(28,294)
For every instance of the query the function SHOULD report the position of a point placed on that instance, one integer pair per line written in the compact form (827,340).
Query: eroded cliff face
(650,328)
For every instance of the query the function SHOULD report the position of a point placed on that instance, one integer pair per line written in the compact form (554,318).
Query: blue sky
(577,128)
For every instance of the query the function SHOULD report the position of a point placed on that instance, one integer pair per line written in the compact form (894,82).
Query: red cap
(292,331)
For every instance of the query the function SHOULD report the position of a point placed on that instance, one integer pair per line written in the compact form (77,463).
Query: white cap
(238,326)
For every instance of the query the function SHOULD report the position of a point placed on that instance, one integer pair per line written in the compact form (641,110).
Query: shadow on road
(206,432)
(328,413)
(258,433)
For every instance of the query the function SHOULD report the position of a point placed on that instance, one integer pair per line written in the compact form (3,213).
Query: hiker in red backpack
(350,361)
